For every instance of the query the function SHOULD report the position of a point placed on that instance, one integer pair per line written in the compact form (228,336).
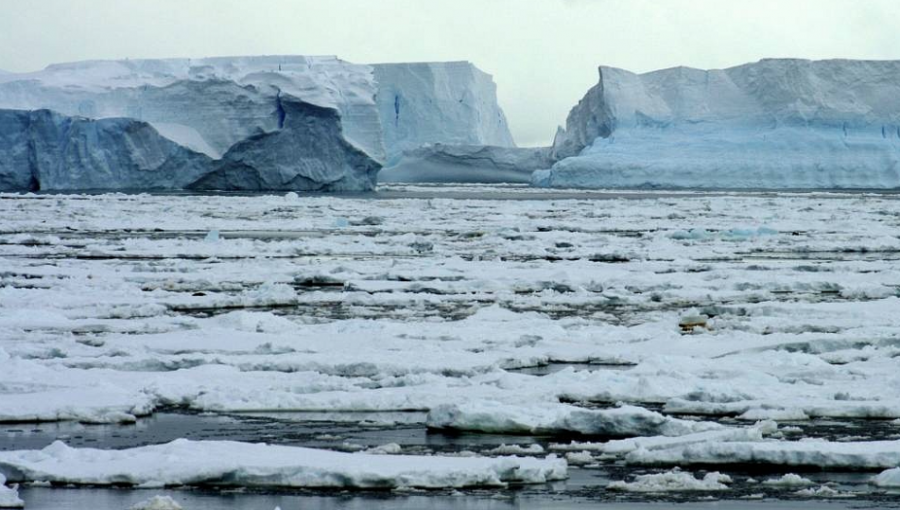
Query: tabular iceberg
(264,123)
(777,123)
(302,123)
(452,103)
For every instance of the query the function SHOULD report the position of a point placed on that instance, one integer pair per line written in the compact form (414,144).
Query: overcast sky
(543,53)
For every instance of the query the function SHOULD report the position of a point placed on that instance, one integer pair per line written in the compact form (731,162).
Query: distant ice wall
(777,123)
(452,103)
(207,104)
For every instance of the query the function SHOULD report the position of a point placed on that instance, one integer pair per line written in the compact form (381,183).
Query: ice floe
(228,463)
(675,480)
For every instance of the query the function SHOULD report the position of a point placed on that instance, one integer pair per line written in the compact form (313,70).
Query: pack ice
(246,123)
(777,123)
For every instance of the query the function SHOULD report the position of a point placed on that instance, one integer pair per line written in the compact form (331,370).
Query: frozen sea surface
(347,322)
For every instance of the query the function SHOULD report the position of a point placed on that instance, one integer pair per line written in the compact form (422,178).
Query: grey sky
(543,53)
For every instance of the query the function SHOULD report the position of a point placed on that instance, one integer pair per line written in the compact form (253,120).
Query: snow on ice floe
(184,462)
(777,123)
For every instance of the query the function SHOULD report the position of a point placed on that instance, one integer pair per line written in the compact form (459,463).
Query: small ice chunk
(340,223)
(823,491)
(212,236)
(291,196)
(789,480)
(9,496)
(674,480)
(579,458)
(515,449)
(158,503)
(386,449)
(888,478)
(689,322)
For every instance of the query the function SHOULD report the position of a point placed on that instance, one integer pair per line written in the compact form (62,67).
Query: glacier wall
(43,150)
(229,108)
(451,103)
(777,123)
(226,108)
(308,153)
(209,103)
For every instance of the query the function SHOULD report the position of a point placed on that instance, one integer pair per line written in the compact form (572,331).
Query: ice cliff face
(452,103)
(467,163)
(43,150)
(299,123)
(308,153)
(207,104)
(770,124)
(273,122)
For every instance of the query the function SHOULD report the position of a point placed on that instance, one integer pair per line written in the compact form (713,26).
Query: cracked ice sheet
(94,294)
(229,463)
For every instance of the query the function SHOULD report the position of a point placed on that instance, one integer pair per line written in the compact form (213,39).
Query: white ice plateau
(243,123)
(777,123)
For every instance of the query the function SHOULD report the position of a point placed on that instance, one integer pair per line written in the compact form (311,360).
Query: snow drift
(777,123)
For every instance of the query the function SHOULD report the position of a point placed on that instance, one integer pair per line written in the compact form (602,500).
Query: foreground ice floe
(228,463)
